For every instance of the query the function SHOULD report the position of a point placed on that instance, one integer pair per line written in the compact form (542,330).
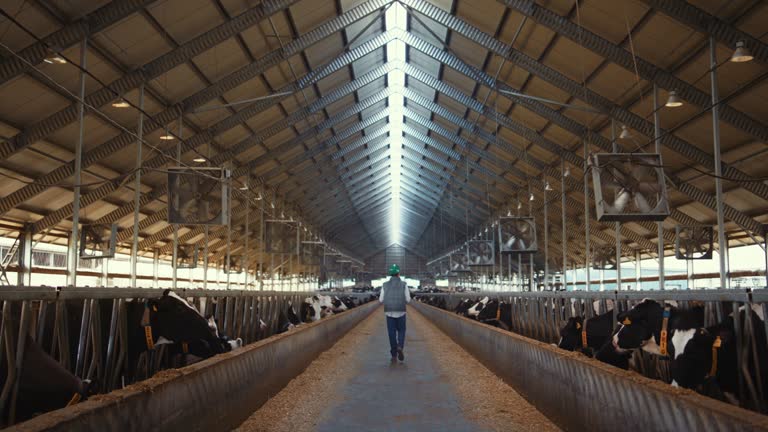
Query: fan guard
(629,187)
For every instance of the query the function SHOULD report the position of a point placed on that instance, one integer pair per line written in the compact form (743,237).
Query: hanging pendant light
(167,137)
(519,205)
(673,100)
(625,134)
(547,186)
(530,196)
(509,213)
(567,171)
(54,57)
(741,54)
(120,103)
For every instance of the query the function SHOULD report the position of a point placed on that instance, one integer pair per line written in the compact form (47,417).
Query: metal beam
(703,22)
(69,35)
(633,63)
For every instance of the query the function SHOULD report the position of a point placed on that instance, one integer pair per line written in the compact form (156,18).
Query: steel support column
(546,241)
(617,225)
(175,282)
(205,258)
(564,223)
(137,190)
(721,240)
(73,255)
(24,257)
(247,252)
(155,268)
(587,256)
(657,142)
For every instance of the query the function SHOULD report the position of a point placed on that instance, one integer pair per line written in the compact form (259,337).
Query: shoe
(400,355)
(393,360)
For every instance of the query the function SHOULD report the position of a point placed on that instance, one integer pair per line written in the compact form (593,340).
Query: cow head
(174,319)
(291,315)
(638,325)
(570,334)
(489,311)
(612,356)
(690,368)
(308,312)
(338,305)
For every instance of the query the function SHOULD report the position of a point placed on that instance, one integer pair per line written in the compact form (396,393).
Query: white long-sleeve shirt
(395,314)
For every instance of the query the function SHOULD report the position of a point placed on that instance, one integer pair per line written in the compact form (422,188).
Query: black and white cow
(288,319)
(171,320)
(463,307)
(44,384)
(475,309)
(706,359)
(496,313)
(597,332)
(643,326)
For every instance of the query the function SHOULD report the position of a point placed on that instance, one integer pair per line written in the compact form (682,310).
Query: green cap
(394,269)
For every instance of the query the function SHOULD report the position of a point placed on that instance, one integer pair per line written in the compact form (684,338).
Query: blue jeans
(396,330)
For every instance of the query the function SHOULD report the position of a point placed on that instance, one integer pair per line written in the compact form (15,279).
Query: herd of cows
(169,322)
(705,359)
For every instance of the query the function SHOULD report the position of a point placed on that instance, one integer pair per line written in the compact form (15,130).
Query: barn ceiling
(377,122)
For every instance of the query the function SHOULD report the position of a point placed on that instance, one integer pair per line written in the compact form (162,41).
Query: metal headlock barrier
(541,315)
(69,325)
(579,393)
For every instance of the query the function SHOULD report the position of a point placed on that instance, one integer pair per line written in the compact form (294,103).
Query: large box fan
(517,234)
(98,241)
(481,252)
(694,242)
(629,187)
(198,196)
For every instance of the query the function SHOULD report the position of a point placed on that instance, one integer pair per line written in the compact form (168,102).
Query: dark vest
(394,295)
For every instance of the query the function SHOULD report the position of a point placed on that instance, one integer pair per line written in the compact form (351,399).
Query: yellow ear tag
(717,343)
(154,308)
(578,326)
(627,321)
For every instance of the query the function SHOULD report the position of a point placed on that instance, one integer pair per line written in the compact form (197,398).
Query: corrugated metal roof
(326,147)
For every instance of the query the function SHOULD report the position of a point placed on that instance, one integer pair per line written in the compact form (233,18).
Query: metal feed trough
(537,315)
(238,315)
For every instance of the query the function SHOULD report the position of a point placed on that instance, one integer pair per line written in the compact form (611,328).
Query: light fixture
(199,159)
(567,171)
(741,54)
(673,100)
(120,103)
(509,213)
(167,137)
(519,205)
(530,196)
(258,197)
(54,58)
(625,132)
(547,187)
(244,187)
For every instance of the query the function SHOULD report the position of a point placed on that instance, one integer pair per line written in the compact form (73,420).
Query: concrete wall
(581,394)
(214,395)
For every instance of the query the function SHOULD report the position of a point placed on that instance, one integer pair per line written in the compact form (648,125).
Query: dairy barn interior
(200,201)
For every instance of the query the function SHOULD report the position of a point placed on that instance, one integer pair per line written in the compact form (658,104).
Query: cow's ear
(166,292)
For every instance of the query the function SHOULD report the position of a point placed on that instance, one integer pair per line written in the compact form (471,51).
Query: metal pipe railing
(541,315)
(94,344)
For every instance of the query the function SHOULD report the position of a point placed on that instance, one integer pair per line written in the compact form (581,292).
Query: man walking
(394,295)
